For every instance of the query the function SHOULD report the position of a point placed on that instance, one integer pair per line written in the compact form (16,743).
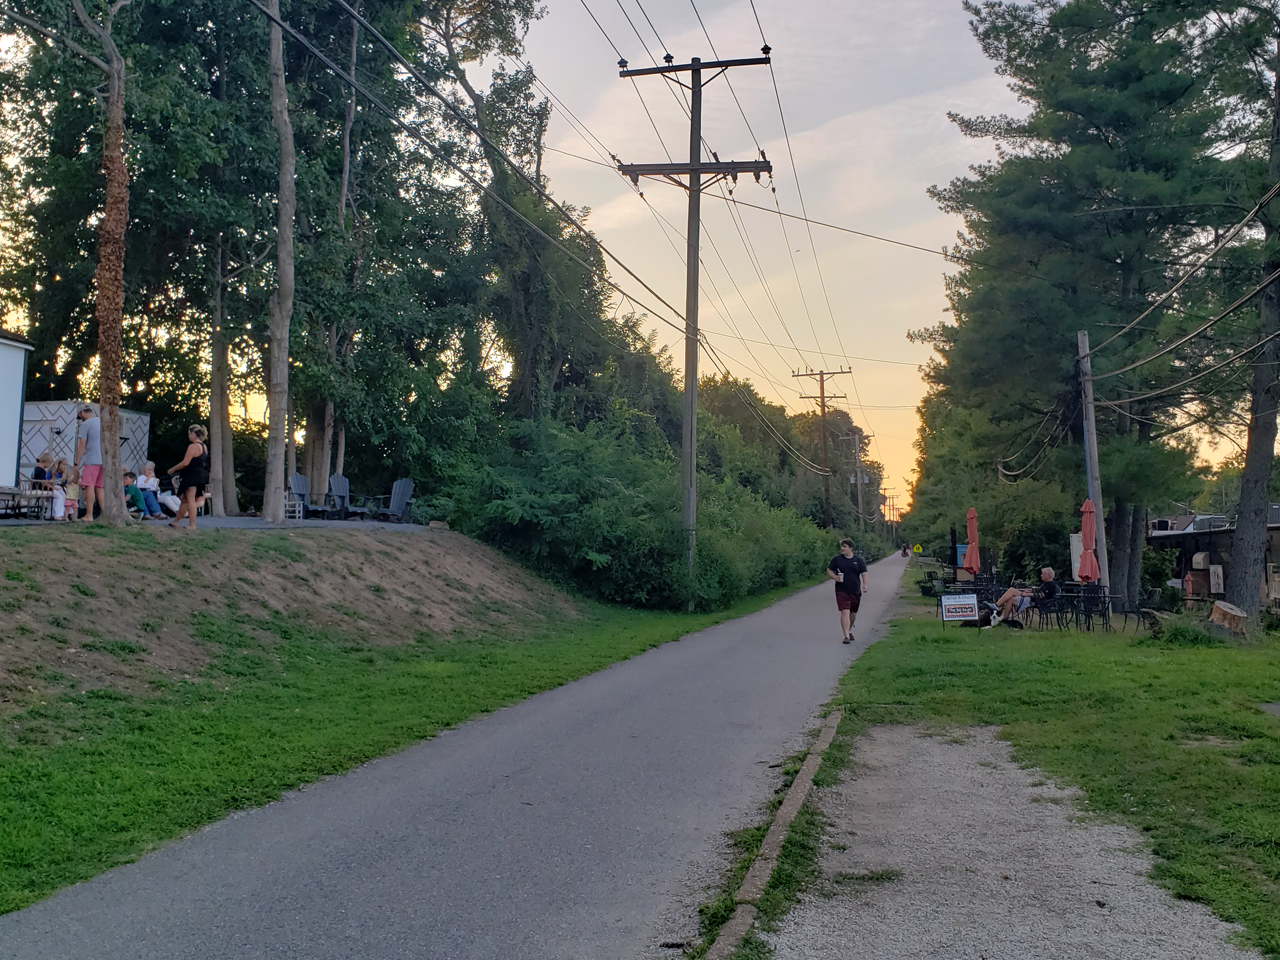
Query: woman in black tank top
(193,474)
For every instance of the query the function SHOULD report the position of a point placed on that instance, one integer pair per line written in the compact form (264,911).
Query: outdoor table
(14,501)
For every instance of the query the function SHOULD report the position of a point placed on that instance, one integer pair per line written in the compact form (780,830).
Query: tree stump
(1155,620)
(1229,616)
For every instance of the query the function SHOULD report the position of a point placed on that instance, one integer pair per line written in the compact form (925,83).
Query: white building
(13,380)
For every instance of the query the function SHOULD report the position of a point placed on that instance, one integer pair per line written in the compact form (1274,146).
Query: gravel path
(951,851)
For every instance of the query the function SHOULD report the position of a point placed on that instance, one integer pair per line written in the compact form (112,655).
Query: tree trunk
(1121,538)
(1137,545)
(1249,546)
(217,388)
(281,307)
(339,460)
(108,307)
(291,441)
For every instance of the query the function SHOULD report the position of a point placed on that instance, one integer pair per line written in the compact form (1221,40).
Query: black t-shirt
(852,568)
(1046,591)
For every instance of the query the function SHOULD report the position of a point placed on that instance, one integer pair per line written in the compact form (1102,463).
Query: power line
(1194,333)
(1217,248)
(520,172)
(726,79)
(413,132)
(1203,373)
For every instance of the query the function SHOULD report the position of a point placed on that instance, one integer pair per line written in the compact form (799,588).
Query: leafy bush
(597,506)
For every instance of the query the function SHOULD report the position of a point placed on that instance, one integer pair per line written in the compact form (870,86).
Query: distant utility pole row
(822,376)
(695,170)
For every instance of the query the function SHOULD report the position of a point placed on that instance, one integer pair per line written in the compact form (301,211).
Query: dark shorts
(848,601)
(186,485)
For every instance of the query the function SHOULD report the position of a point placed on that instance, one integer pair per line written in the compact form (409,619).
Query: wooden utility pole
(695,170)
(822,376)
(857,478)
(1093,479)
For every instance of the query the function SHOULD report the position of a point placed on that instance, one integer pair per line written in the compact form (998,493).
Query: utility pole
(857,477)
(695,169)
(822,376)
(1093,478)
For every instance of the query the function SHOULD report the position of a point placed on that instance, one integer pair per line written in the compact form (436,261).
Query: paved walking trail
(566,826)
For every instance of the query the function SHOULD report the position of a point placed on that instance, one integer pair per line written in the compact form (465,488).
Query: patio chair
(1056,612)
(1094,607)
(297,504)
(398,506)
(337,501)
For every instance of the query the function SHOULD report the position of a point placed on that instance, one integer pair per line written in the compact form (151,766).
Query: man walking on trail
(850,574)
(89,460)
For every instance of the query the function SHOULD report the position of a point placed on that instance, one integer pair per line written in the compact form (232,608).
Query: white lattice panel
(52,426)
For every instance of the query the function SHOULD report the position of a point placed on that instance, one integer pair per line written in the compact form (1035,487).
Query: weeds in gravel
(1166,737)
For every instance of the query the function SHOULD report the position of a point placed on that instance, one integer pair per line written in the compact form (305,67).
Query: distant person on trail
(89,460)
(193,472)
(850,574)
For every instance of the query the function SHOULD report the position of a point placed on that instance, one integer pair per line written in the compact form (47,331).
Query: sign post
(959,606)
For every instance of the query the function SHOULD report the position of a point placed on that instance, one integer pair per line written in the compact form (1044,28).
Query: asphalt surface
(557,828)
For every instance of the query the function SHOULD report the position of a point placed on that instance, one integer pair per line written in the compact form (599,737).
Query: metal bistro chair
(1059,612)
(1094,605)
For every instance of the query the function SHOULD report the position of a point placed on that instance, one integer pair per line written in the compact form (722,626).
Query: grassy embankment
(224,703)
(1168,739)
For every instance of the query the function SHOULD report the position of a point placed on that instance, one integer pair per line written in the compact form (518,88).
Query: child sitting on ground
(133,498)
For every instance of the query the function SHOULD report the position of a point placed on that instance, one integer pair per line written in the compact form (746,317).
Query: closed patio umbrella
(971,561)
(1088,535)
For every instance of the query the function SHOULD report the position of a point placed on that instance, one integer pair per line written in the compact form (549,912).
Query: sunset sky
(866,87)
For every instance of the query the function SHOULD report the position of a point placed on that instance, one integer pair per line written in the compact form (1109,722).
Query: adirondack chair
(297,504)
(398,506)
(337,502)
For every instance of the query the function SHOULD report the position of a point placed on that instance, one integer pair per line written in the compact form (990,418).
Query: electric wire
(466,175)
(467,122)
(808,464)
(1173,345)
(1203,373)
(1032,438)
(602,149)
(1216,249)
(734,92)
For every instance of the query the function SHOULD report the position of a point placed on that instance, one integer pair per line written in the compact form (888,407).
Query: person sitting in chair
(1015,600)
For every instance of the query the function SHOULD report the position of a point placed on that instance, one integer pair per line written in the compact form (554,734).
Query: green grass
(93,780)
(1165,737)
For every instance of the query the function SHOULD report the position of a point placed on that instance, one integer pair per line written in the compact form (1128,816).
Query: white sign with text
(960,606)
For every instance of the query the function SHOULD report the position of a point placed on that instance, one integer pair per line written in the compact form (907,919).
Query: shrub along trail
(557,827)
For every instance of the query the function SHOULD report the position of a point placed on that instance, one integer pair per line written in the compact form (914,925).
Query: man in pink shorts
(89,460)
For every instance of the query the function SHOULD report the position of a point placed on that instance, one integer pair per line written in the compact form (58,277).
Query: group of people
(83,479)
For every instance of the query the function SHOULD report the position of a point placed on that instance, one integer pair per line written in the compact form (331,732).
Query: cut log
(1230,616)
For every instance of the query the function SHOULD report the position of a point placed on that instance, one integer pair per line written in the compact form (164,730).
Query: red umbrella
(971,561)
(1088,572)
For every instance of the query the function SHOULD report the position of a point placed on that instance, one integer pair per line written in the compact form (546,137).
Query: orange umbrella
(971,561)
(1088,572)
